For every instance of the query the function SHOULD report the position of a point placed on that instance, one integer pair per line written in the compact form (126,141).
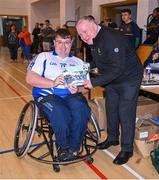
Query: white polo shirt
(50,65)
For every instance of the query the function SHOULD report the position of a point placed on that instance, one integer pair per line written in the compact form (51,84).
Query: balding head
(87,29)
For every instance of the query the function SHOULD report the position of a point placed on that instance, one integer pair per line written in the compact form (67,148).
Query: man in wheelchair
(64,107)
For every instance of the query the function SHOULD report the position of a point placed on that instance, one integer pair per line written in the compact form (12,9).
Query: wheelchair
(35,137)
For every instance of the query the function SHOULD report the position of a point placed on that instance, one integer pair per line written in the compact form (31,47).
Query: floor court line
(96,170)
(138,176)
(92,167)
(13,89)
(107,152)
(15,97)
(12,150)
(6,151)
(12,65)
(16,80)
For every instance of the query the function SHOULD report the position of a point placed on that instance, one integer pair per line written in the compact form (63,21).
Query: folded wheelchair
(35,137)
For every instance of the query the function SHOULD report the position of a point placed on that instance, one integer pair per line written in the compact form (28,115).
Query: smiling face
(62,46)
(155,13)
(126,17)
(87,30)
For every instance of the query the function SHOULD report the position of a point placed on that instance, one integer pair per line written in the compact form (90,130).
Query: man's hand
(58,81)
(82,90)
(73,89)
(88,85)
(155,56)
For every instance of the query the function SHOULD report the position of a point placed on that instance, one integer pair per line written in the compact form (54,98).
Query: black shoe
(122,157)
(62,154)
(72,154)
(67,155)
(106,144)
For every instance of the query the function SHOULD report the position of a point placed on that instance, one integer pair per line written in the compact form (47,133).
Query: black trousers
(35,46)
(121,103)
(13,49)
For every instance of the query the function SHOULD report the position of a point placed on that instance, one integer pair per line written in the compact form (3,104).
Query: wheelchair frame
(39,124)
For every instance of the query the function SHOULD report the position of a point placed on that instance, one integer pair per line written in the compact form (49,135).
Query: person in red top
(25,42)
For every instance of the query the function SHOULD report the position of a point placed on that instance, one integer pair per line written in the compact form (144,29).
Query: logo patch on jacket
(99,51)
(116,50)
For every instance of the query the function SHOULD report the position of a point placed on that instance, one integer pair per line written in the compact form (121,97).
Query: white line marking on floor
(23,72)
(15,97)
(124,165)
(16,80)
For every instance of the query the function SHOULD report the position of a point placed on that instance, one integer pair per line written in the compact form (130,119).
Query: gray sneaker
(67,155)
(62,154)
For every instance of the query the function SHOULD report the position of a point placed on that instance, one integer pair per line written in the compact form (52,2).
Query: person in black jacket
(130,28)
(35,33)
(47,34)
(120,72)
(108,23)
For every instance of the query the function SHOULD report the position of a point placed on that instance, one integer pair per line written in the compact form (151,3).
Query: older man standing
(121,74)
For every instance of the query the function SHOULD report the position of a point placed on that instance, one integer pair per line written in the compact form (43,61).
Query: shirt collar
(99,35)
(55,54)
(99,27)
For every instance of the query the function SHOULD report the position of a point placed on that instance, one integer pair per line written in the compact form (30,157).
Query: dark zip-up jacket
(115,59)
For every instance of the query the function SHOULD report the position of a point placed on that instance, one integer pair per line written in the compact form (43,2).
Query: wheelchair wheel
(93,130)
(25,129)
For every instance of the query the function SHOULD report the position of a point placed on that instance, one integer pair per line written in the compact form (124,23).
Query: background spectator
(41,26)
(25,42)
(110,24)
(130,28)
(47,34)
(13,43)
(153,28)
(35,33)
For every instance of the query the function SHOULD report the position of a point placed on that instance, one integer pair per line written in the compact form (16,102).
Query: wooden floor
(14,93)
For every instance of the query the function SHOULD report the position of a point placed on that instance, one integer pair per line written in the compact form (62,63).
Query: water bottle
(148,72)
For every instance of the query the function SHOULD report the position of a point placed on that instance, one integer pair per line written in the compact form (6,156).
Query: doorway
(113,10)
(5,23)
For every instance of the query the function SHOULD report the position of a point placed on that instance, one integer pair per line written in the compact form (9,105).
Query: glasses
(67,43)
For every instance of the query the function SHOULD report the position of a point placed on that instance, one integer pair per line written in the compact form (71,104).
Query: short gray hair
(89,18)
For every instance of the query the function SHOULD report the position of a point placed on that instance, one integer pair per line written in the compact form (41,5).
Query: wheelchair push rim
(89,146)
(25,129)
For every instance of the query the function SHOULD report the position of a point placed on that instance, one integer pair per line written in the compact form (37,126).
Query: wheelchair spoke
(45,150)
(25,127)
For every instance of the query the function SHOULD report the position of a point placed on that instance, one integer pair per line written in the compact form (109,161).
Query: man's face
(86,31)
(155,14)
(126,17)
(62,46)
(47,24)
